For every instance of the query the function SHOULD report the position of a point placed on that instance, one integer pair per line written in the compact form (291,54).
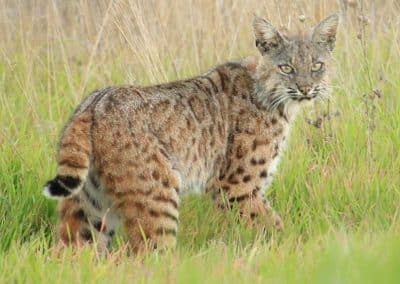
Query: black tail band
(62,185)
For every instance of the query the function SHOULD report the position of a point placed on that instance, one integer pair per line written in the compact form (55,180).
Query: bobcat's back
(182,126)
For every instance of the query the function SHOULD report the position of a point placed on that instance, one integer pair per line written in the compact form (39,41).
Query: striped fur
(128,153)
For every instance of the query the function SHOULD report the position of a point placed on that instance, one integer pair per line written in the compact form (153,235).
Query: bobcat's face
(295,67)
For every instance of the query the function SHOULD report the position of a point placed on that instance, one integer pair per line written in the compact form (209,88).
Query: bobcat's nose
(304,89)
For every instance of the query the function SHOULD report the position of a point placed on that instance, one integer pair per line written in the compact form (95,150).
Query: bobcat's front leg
(258,208)
(252,205)
(250,164)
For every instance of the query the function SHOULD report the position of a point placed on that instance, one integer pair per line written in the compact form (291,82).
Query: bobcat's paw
(266,218)
(276,221)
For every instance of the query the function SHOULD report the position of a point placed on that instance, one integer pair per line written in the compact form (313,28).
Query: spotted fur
(129,153)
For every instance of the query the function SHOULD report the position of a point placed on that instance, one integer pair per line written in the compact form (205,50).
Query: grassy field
(338,188)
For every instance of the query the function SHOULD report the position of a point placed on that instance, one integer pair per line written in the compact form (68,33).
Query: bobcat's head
(294,67)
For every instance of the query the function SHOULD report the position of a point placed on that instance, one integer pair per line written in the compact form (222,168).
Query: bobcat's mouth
(305,98)
(280,96)
(297,95)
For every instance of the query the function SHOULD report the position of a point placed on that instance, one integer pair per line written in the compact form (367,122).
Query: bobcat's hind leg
(147,203)
(150,216)
(140,182)
(77,227)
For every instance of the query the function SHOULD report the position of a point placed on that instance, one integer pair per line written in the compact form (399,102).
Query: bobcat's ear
(324,33)
(268,39)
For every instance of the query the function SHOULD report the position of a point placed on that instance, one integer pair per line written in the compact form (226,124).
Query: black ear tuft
(324,33)
(268,39)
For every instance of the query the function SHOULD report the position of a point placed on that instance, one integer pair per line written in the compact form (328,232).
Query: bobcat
(128,153)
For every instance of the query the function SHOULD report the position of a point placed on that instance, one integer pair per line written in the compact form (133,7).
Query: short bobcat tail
(73,158)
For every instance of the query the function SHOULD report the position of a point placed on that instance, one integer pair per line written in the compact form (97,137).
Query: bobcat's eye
(286,69)
(316,66)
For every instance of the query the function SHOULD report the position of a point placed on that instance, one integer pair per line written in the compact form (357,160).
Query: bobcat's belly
(196,178)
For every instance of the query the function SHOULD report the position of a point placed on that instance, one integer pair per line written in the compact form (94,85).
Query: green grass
(339,199)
